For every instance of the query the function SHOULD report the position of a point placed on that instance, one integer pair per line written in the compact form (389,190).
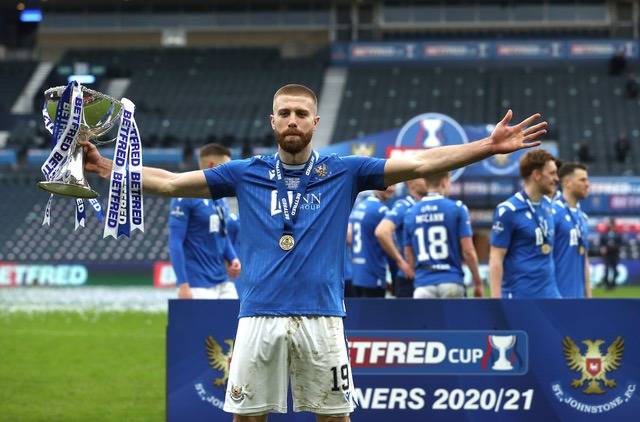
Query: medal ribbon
(290,210)
(535,216)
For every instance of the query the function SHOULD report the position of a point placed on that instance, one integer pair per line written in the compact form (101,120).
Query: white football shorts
(439,291)
(311,351)
(224,290)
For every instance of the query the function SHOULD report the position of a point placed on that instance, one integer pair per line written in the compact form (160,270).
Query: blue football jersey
(233,228)
(308,279)
(570,251)
(396,216)
(527,272)
(198,242)
(348,264)
(433,228)
(369,260)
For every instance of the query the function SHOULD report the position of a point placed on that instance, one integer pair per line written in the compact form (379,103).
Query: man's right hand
(184,291)
(408,271)
(93,161)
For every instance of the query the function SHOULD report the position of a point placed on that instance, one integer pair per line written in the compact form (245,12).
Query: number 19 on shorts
(340,378)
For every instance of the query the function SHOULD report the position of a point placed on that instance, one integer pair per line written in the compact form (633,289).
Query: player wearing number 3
(294,208)
(437,234)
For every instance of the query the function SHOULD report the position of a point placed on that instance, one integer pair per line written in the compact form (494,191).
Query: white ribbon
(68,118)
(124,210)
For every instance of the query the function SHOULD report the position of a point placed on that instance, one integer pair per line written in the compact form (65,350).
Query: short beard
(293,146)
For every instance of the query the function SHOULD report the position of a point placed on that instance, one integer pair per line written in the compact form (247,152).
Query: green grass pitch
(67,366)
(96,366)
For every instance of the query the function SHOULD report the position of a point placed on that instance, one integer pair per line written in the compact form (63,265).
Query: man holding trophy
(292,284)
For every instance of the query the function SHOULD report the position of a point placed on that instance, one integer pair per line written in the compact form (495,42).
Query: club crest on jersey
(321,170)
(592,368)
(177,212)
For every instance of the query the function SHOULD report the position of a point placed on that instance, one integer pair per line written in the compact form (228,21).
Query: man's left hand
(234,268)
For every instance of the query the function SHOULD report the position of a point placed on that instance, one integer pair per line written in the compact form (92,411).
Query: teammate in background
(348,266)
(557,191)
(199,243)
(369,269)
(570,253)
(610,245)
(521,260)
(291,308)
(437,234)
(233,227)
(390,234)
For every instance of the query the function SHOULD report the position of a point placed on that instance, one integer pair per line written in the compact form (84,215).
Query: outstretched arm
(503,140)
(190,184)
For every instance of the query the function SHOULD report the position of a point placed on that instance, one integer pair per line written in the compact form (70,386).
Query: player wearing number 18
(437,234)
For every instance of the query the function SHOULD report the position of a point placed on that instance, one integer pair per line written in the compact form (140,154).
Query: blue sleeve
(396,214)
(367,171)
(222,179)
(229,250)
(178,223)
(556,212)
(233,227)
(502,227)
(464,224)
(407,230)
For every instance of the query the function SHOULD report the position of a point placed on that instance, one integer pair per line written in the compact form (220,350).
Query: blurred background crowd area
(205,71)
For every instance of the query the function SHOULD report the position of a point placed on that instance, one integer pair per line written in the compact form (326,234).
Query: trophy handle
(71,180)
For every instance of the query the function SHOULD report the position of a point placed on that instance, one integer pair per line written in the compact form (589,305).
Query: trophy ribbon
(125,205)
(80,213)
(65,132)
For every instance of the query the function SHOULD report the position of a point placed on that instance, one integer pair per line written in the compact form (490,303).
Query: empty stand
(24,239)
(580,101)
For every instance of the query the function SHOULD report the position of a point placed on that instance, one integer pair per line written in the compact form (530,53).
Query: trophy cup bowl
(99,124)
(502,343)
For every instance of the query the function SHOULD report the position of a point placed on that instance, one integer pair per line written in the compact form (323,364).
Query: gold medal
(546,249)
(286,242)
(581,250)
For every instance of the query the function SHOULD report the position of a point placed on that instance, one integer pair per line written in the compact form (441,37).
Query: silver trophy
(99,124)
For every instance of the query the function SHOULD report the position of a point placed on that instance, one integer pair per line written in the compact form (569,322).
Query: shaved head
(296,90)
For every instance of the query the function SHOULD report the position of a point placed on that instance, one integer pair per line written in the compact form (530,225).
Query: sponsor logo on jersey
(308,202)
